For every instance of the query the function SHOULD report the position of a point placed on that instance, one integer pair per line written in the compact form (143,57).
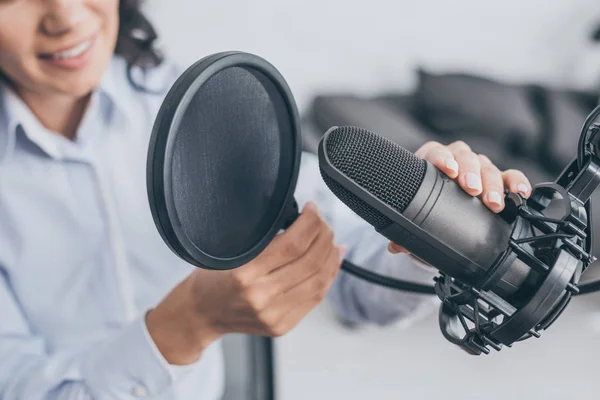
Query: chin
(80,86)
(82,79)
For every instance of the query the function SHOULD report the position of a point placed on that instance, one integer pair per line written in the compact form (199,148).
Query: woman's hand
(475,173)
(267,297)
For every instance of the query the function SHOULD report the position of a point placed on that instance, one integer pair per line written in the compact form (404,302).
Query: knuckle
(314,267)
(313,218)
(240,277)
(278,330)
(329,235)
(322,223)
(320,295)
(490,171)
(426,148)
(433,144)
(484,160)
(430,144)
(514,175)
(513,172)
(461,146)
(295,246)
(265,320)
(467,155)
(319,285)
(256,299)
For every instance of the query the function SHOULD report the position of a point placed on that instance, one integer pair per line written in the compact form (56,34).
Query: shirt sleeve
(355,300)
(126,365)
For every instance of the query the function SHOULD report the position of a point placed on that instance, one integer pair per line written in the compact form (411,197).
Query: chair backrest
(249,365)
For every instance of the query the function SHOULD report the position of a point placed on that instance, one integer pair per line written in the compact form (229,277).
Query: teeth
(72,52)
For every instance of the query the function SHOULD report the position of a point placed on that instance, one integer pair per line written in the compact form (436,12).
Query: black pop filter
(223,163)
(223,160)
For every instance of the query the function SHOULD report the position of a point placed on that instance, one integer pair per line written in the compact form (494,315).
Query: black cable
(588,288)
(406,286)
(388,282)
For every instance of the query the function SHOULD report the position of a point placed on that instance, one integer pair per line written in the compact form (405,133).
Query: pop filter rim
(160,155)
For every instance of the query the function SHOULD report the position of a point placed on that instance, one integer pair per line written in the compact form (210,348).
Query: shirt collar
(112,87)
(15,115)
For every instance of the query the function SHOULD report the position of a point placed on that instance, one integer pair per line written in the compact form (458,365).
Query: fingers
(516,182)
(290,307)
(440,156)
(318,284)
(469,177)
(395,249)
(291,319)
(493,185)
(475,174)
(292,244)
(290,275)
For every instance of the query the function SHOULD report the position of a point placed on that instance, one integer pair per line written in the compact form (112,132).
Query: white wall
(371,45)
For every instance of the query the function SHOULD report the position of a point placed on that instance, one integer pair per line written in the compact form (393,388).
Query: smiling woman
(39,45)
(55,56)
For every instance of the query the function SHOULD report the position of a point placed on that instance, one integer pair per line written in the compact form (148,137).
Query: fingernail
(473,181)
(391,248)
(343,250)
(452,164)
(523,188)
(494,197)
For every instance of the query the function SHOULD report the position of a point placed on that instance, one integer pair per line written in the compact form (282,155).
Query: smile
(72,52)
(71,58)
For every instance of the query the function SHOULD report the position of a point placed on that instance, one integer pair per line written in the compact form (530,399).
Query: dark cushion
(466,105)
(505,160)
(564,115)
(395,124)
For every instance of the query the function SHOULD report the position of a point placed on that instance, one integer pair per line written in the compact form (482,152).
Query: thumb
(395,249)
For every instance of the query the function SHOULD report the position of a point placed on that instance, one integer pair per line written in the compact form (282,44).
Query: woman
(93,305)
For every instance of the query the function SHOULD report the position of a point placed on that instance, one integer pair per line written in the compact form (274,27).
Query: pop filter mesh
(380,166)
(229,162)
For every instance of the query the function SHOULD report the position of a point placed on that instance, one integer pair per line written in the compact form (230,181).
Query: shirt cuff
(128,366)
(177,372)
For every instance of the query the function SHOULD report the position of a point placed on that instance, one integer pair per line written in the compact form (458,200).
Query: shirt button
(139,391)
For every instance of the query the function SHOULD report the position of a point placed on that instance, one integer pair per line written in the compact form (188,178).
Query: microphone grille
(363,210)
(380,166)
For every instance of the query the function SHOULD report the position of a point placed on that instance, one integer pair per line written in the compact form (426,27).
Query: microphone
(503,277)
(413,204)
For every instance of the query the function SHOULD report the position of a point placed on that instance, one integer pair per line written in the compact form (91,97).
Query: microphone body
(461,223)
(413,204)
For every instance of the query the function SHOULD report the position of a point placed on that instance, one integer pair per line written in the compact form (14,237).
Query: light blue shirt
(81,260)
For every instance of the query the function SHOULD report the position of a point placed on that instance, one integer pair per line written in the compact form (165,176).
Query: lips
(72,57)
(72,52)
(69,52)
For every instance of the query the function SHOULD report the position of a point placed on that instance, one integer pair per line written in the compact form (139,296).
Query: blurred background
(515,79)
